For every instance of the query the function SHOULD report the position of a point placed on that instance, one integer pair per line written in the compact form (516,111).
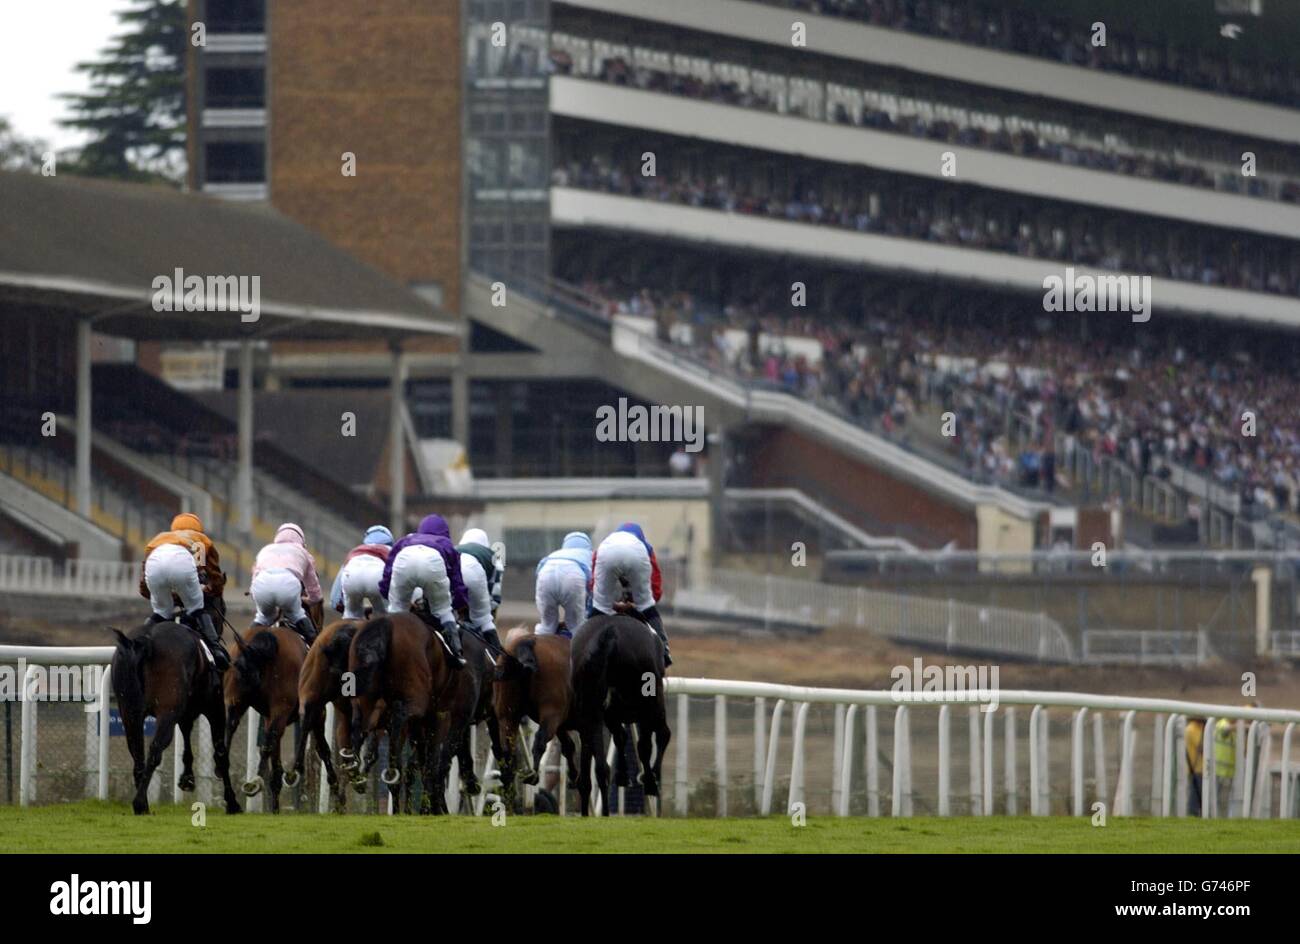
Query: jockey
(283,573)
(482,579)
(563,580)
(358,579)
(183,561)
(628,557)
(427,561)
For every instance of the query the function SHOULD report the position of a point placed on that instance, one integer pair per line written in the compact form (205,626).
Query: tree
(17,152)
(135,109)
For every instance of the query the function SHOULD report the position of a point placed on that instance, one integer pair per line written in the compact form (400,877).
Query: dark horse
(264,677)
(320,684)
(400,668)
(160,670)
(458,708)
(533,681)
(618,679)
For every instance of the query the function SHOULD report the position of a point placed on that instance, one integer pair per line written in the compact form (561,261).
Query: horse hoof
(186,783)
(391,776)
(347,758)
(253,787)
(472,788)
(234,808)
(532,779)
(359,785)
(140,807)
(291,778)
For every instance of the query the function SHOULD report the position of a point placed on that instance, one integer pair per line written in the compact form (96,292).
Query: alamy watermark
(973,684)
(67,683)
(1074,292)
(675,424)
(181,292)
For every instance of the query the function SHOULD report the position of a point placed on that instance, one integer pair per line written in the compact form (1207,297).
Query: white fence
(78,577)
(1145,647)
(987,710)
(944,624)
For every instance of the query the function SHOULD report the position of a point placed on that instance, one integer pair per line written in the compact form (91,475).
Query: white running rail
(78,577)
(930,621)
(1252,795)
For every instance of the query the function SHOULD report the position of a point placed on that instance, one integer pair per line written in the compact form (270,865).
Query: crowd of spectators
(1115,157)
(1038,32)
(1021,226)
(1019,394)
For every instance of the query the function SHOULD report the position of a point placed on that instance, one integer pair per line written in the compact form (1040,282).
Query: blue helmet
(378,534)
(577,539)
(635,529)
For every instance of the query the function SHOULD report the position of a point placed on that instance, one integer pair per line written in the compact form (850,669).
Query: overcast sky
(40,43)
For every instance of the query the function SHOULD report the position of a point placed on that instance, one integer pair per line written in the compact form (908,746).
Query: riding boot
(155,618)
(493,640)
(451,633)
(203,623)
(306,629)
(657,624)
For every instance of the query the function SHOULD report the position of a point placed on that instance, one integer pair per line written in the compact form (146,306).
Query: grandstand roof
(94,248)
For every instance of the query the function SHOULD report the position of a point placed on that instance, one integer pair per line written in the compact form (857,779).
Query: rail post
(945,762)
(797,761)
(683,736)
(846,767)
(773,741)
(1076,760)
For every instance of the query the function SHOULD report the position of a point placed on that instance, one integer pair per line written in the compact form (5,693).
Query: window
(235,16)
(235,162)
(235,88)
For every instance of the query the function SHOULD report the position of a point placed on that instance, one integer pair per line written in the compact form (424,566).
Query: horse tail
(128,666)
(519,663)
(257,653)
(594,684)
(373,642)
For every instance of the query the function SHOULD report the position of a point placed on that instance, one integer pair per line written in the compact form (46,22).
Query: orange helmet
(187,522)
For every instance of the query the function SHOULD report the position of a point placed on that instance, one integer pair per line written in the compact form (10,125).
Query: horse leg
(216,715)
(467,773)
(392,774)
(545,731)
(602,768)
(162,739)
(566,748)
(663,734)
(133,723)
(323,752)
(310,720)
(273,733)
(587,757)
(644,747)
(186,781)
(618,731)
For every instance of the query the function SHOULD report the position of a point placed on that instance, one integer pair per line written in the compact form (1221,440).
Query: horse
(465,702)
(264,677)
(161,670)
(321,684)
(618,679)
(533,680)
(400,667)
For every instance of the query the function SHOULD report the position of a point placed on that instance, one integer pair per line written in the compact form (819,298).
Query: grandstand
(830,225)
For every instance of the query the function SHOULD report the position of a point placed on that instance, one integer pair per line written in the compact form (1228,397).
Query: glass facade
(507,141)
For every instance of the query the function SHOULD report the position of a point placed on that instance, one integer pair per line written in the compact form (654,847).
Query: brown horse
(264,677)
(321,683)
(618,679)
(400,668)
(533,681)
(161,670)
(458,708)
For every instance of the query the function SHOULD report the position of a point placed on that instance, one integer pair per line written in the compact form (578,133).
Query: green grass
(110,828)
